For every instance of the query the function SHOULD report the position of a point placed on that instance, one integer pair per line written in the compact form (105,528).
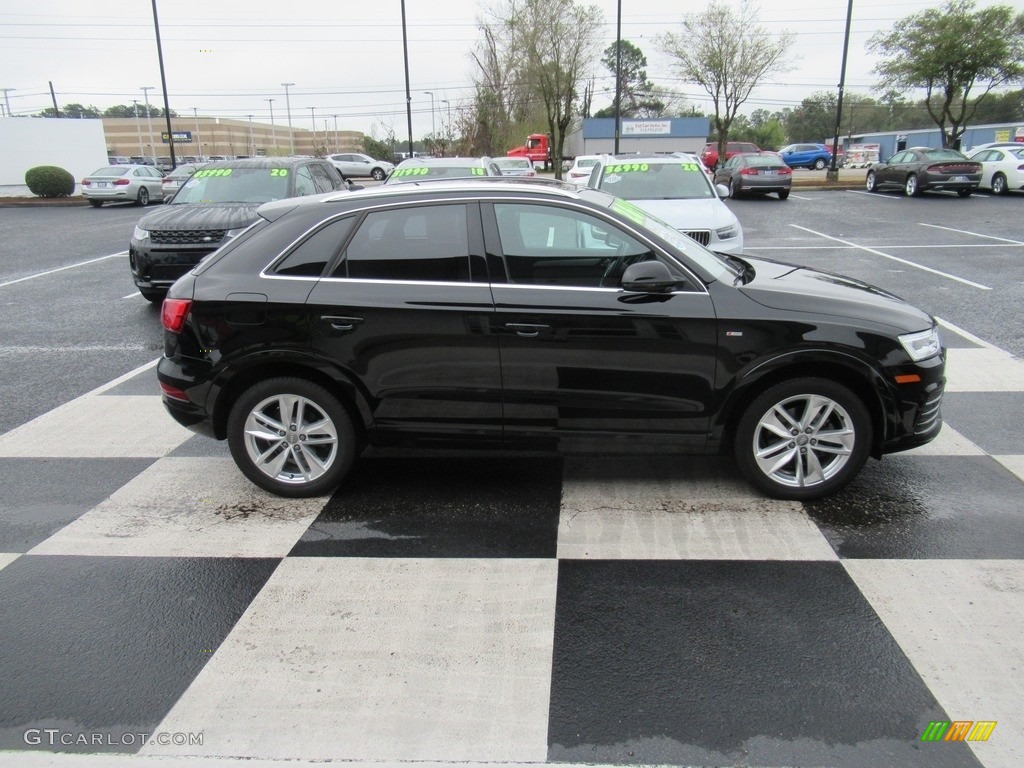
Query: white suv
(355,165)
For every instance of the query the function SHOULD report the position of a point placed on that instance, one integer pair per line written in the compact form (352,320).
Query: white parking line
(975,234)
(958,246)
(801,197)
(896,258)
(61,269)
(875,195)
(132,295)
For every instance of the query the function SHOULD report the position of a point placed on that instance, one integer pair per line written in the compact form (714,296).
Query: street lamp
(138,127)
(336,148)
(273,130)
(252,145)
(149,118)
(7,99)
(312,114)
(449,134)
(433,130)
(195,111)
(288,106)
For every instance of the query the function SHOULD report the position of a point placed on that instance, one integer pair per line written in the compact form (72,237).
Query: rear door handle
(527,330)
(341,323)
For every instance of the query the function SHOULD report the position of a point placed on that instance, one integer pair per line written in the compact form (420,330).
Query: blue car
(816,156)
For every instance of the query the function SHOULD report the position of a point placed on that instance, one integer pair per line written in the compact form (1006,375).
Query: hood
(702,213)
(188,216)
(794,288)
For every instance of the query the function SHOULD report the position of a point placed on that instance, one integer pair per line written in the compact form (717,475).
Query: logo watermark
(958,730)
(55,737)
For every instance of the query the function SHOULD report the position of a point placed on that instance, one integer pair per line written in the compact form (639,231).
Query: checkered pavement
(509,609)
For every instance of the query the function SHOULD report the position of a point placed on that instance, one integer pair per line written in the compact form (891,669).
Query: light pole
(273,130)
(195,111)
(288,106)
(149,118)
(433,130)
(312,114)
(252,145)
(138,127)
(335,132)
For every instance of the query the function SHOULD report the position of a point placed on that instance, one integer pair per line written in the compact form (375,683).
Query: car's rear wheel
(819,164)
(143,198)
(153,296)
(803,439)
(871,183)
(96,203)
(999,186)
(378,174)
(964,192)
(736,190)
(783,194)
(291,437)
(911,186)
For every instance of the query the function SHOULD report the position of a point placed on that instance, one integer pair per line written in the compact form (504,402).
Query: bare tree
(544,51)
(728,54)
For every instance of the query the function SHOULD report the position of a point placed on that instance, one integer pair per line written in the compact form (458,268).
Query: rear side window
(428,243)
(310,257)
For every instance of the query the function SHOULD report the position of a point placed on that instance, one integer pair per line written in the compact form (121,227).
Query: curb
(42,202)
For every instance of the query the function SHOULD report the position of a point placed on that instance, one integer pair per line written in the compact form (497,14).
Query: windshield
(113,170)
(943,154)
(512,163)
(234,185)
(415,173)
(655,181)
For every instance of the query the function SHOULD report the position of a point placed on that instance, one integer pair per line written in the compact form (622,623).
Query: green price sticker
(629,168)
(278,171)
(411,172)
(478,171)
(204,172)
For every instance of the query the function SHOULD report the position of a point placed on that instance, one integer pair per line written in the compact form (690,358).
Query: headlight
(140,234)
(725,233)
(922,344)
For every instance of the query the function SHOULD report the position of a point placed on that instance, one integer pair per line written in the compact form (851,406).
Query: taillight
(785,171)
(173,392)
(122,183)
(749,172)
(173,314)
(86,182)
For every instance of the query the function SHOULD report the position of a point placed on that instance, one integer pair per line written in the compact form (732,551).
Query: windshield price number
(203,173)
(411,172)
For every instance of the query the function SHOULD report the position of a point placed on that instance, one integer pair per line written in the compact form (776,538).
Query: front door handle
(341,323)
(527,330)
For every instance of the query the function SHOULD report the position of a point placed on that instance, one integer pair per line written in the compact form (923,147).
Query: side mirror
(648,277)
(722,190)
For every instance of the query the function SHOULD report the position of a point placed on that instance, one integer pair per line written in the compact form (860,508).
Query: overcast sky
(226,57)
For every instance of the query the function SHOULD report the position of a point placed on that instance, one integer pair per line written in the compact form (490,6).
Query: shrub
(49,181)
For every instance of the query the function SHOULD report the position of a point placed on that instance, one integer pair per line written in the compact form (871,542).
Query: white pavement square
(384,659)
(983,370)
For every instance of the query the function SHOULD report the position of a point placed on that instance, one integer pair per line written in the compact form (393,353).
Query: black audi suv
(217,202)
(513,314)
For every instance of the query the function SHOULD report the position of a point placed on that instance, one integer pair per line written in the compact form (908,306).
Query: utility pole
(833,173)
(408,94)
(7,99)
(149,118)
(252,145)
(138,127)
(273,130)
(195,111)
(448,131)
(336,147)
(433,128)
(312,114)
(53,96)
(288,106)
(618,78)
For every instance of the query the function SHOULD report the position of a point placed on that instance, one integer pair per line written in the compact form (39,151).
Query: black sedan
(533,315)
(921,168)
(756,173)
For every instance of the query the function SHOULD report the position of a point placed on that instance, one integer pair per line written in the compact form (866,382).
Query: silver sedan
(123,183)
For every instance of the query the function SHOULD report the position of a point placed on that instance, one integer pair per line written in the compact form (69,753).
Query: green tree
(951,53)
(637,98)
(815,119)
(728,54)
(72,110)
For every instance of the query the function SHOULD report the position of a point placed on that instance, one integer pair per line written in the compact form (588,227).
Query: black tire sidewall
(143,197)
(996,187)
(743,440)
(324,400)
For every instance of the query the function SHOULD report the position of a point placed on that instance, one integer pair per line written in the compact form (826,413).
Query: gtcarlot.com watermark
(55,737)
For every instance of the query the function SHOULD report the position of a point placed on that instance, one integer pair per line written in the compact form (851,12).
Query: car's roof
(259,162)
(647,158)
(443,162)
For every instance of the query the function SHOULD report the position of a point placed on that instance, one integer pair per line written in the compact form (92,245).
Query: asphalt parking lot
(499,609)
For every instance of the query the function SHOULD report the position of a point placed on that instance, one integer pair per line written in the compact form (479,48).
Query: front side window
(304,182)
(428,243)
(546,245)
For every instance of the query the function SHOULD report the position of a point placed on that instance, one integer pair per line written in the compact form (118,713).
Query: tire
(872,182)
(143,198)
(819,164)
(285,468)
(378,174)
(999,185)
(783,194)
(911,187)
(736,191)
(96,203)
(154,296)
(781,467)
(964,192)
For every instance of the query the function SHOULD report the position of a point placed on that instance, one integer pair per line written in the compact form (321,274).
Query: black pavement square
(732,663)
(994,421)
(431,506)
(910,507)
(42,495)
(107,645)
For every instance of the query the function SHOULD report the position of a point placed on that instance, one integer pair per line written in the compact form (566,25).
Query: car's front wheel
(999,186)
(803,439)
(378,174)
(143,198)
(291,437)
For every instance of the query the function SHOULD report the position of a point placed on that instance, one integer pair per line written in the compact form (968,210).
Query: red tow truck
(537,149)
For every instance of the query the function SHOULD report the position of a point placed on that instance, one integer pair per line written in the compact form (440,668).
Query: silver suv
(356,165)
